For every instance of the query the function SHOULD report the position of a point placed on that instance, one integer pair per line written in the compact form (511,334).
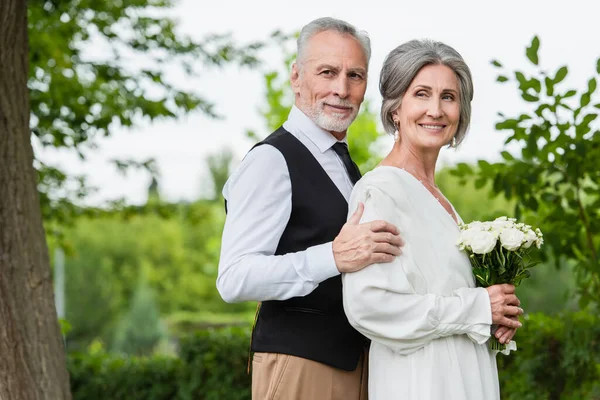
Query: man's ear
(295,79)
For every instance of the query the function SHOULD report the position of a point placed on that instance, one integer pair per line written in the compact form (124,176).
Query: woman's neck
(418,163)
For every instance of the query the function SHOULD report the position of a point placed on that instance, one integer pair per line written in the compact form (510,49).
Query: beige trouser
(285,377)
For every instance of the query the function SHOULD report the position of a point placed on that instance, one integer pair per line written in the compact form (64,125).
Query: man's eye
(327,72)
(356,76)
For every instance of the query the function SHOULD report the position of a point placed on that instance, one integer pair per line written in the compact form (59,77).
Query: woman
(427,321)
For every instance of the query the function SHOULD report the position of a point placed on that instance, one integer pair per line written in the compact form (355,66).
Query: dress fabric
(427,321)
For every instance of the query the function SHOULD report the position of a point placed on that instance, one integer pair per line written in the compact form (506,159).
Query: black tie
(341,149)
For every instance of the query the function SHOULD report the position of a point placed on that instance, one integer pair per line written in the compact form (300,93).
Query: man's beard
(334,122)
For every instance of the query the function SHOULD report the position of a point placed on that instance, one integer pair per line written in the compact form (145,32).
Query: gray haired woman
(427,321)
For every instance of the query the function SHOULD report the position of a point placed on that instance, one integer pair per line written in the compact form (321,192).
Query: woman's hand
(505,305)
(505,334)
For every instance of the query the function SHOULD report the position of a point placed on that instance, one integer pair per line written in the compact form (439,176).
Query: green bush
(111,377)
(216,365)
(557,358)
(212,366)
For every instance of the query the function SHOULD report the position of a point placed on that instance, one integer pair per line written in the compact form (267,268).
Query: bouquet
(499,253)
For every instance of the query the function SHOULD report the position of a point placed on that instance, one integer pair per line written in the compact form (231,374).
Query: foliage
(549,290)
(555,181)
(96,375)
(109,255)
(219,167)
(97,66)
(216,362)
(557,358)
(212,366)
(140,329)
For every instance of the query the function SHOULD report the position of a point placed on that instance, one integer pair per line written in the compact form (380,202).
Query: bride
(427,321)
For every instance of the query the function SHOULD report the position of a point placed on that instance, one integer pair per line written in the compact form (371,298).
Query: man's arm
(259,204)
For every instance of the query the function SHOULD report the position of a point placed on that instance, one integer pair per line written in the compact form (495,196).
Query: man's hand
(505,305)
(358,245)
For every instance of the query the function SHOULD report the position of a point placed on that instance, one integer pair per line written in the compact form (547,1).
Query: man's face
(331,80)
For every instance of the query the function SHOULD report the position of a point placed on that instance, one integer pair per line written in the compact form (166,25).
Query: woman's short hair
(331,24)
(404,63)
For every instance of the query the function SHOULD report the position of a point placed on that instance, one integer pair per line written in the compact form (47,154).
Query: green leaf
(507,124)
(496,63)
(480,182)
(570,93)
(598,66)
(560,74)
(532,50)
(484,166)
(501,78)
(523,81)
(507,156)
(536,85)
(529,98)
(592,85)
(541,109)
(585,100)
(549,86)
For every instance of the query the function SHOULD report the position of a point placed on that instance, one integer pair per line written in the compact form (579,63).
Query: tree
(219,166)
(140,329)
(555,181)
(78,96)
(33,359)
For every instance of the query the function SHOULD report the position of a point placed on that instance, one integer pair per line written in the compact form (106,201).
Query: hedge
(558,358)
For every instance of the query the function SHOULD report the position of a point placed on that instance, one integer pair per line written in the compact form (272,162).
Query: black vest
(314,326)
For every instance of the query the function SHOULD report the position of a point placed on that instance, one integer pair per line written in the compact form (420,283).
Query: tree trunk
(32,355)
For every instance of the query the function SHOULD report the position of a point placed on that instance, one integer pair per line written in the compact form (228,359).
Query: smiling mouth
(339,108)
(433,127)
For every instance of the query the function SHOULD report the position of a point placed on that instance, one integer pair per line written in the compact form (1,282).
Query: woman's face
(429,114)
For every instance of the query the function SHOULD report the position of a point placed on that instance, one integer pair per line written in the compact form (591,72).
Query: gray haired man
(286,239)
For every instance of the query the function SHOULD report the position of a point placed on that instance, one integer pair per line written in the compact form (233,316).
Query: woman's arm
(380,301)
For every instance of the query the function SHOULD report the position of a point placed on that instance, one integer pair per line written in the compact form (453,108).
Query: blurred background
(141,109)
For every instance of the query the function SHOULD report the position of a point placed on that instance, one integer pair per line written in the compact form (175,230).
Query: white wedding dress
(427,322)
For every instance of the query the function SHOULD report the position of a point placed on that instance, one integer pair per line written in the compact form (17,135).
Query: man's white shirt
(259,205)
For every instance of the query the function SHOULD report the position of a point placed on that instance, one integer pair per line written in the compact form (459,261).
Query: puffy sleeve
(382,303)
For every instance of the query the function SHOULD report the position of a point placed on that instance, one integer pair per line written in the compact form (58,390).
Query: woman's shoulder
(382,182)
(385,178)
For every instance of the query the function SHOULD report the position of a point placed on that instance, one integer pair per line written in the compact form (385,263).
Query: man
(286,239)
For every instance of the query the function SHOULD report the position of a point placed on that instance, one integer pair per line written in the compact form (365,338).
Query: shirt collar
(303,124)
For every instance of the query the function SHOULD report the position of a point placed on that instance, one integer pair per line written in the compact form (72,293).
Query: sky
(480,30)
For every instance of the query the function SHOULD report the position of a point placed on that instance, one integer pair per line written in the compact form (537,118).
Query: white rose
(501,223)
(483,242)
(540,238)
(511,239)
(475,225)
(466,236)
(530,238)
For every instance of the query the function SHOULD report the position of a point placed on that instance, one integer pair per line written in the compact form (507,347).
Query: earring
(396,135)
(453,145)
